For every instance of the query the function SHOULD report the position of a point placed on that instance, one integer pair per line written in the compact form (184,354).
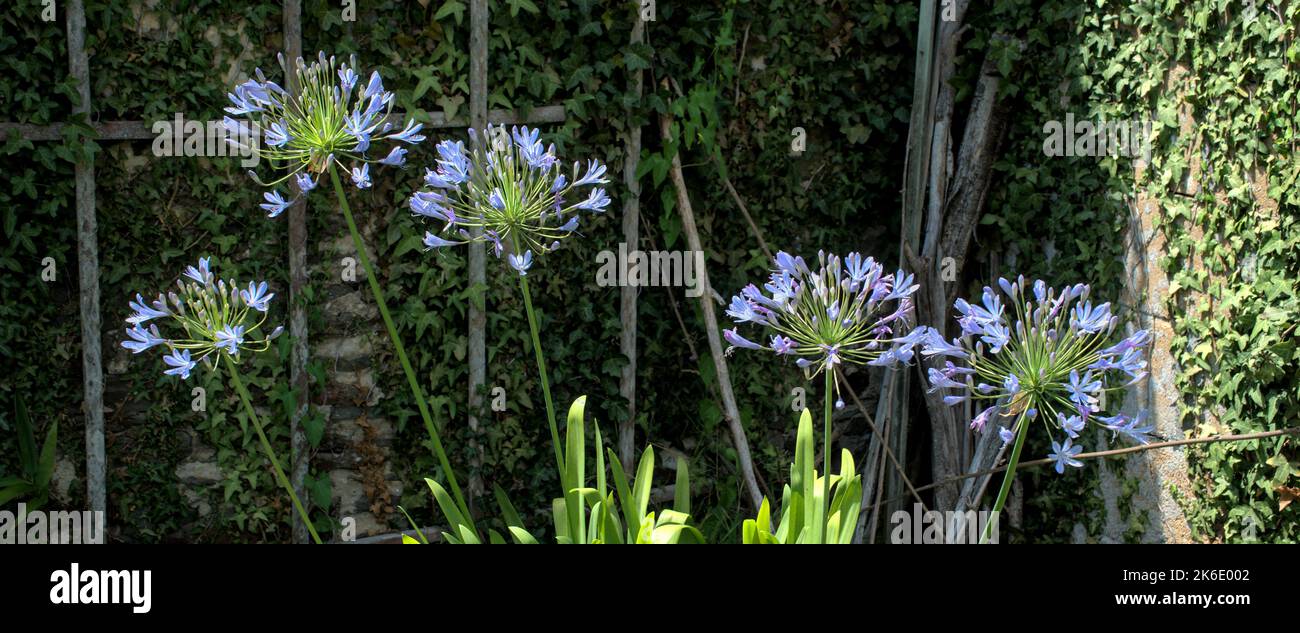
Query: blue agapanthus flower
(510,187)
(1043,350)
(202,317)
(846,312)
(333,118)
(1064,455)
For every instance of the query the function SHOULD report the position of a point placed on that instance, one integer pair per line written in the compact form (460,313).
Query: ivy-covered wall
(749,74)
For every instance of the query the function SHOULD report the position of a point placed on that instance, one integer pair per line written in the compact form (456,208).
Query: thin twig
(1295,430)
(740,63)
(872,423)
(672,299)
(730,410)
(735,197)
(880,473)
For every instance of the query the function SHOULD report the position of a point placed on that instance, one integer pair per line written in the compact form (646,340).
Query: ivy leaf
(451,7)
(313,427)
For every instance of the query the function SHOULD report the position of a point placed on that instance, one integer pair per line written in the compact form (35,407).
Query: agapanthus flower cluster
(204,316)
(1043,354)
(846,312)
(510,187)
(335,117)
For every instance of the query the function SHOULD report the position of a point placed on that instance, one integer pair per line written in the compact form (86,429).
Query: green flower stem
(401,350)
(541,367)
(1007,478)
(826,455)
(266,445)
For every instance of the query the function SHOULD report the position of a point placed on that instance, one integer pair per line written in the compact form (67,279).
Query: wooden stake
(478,45)
(631,237)
(299,460)
(88,273)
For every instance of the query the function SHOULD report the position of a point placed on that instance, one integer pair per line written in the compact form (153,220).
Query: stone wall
(356,447)
(355,450)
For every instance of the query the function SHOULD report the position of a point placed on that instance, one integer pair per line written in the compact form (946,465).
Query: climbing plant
(743,81)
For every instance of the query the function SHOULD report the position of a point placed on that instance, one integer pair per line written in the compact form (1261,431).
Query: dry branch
(729,408)
(1244,437)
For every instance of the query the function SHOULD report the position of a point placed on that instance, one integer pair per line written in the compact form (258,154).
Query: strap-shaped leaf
(600,462)
(791,516)
(560,519)
(26,441)
(682,489)
(415,527)
(574,471)
(594,523)
(672,517)
(455,520)
(521,536)
(508,512)
(625,500)
(45,468)
(590,496)
(613,530)
(764,523)
(467,535)
(849,513)
(676,533)
(644,477)
(9,493)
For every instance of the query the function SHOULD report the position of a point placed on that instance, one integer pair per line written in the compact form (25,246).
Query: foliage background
(749,73)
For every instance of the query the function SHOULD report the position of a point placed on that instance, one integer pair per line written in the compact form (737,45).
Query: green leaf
(418,531)
(521,536)
(644,477)
(451,7)
(574,477)
(12,492)
(682,489)
(508,512)
(26,441)
(624,493)
(455,520)
(45,469)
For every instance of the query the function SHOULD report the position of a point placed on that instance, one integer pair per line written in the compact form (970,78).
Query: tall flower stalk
(210,320)
(1050,361)
(847,312)
(509,190)
(332,119)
